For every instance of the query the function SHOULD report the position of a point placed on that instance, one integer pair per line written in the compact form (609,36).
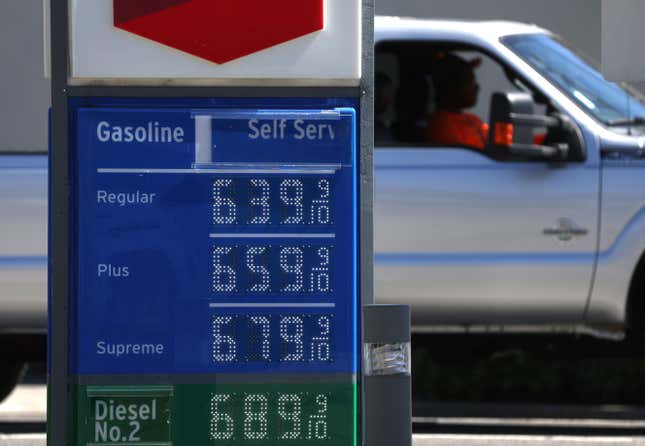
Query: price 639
(264,201)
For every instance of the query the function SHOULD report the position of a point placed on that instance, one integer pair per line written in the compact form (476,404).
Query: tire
(10,374)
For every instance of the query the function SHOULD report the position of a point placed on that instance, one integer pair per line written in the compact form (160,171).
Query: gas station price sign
(216,287)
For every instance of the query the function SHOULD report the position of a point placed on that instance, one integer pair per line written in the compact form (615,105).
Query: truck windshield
(579,78)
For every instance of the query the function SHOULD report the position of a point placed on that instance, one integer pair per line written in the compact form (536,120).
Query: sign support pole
(367,178)
(387,378)
(58,280)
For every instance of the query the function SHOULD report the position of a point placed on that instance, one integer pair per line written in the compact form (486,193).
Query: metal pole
(366,186)
(59,230)
(387,383)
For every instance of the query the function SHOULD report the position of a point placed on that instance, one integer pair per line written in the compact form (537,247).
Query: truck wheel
(10,374)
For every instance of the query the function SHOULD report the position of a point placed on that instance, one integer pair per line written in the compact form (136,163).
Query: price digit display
(291,195)
(224,208)
(222,426)
(291,264)
(264,269)
(256,408)
(319,278)
(259,339)
(296,338)
(260,202)
(224,275)
(259,275)
(287,202)
(269,416)
(319,347)
(290,412)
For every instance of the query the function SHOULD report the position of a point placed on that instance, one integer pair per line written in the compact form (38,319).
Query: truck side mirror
(512,120)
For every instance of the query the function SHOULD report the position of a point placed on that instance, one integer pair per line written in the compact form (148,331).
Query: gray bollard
(387,384)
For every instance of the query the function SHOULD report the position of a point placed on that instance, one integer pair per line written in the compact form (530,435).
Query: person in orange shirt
(456,89)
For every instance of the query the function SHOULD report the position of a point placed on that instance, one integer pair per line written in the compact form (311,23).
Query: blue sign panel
(215,241)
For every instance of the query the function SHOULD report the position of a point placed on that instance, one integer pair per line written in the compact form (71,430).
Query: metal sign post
(211,221)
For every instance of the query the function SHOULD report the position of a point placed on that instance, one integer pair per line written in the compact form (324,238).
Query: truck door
(468,240)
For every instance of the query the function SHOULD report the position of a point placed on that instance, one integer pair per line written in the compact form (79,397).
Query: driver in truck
(456,89)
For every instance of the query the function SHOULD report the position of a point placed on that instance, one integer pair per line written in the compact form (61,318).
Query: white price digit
(319,277)
(222,427)
(290,410)
(261,202)
(320,348)
(320,214)
(291,194)
(292,262)
(263,285)
(256,407)
(317,425)
(291,333)
(224,208)
(224,347)
(224,276)
(263,325)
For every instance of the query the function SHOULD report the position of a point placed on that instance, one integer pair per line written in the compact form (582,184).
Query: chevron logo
(219,30)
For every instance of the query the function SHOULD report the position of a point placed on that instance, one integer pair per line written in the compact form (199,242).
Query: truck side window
(434,94)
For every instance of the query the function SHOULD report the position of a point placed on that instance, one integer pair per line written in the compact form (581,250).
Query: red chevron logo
(219,30)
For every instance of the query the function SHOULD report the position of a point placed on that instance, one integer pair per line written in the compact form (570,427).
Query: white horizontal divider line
(272,305)
(299,171)
(271,235)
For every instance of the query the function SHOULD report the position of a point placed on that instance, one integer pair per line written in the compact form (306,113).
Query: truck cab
(477,242)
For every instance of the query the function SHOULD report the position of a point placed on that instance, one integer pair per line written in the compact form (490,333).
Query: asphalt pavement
(428,440)
(22,440)
(522,440)
(27,404)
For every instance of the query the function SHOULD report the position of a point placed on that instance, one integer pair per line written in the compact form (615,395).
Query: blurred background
(485,368)
(23,123)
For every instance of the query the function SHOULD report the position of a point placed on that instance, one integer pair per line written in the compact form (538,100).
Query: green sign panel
(218,414)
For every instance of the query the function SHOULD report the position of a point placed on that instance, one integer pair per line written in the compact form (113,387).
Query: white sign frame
(101,54)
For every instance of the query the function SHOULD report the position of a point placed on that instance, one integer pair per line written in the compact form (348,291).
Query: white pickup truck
(525,238)
(517,237)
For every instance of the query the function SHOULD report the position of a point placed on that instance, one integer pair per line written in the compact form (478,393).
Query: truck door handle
(565,230)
